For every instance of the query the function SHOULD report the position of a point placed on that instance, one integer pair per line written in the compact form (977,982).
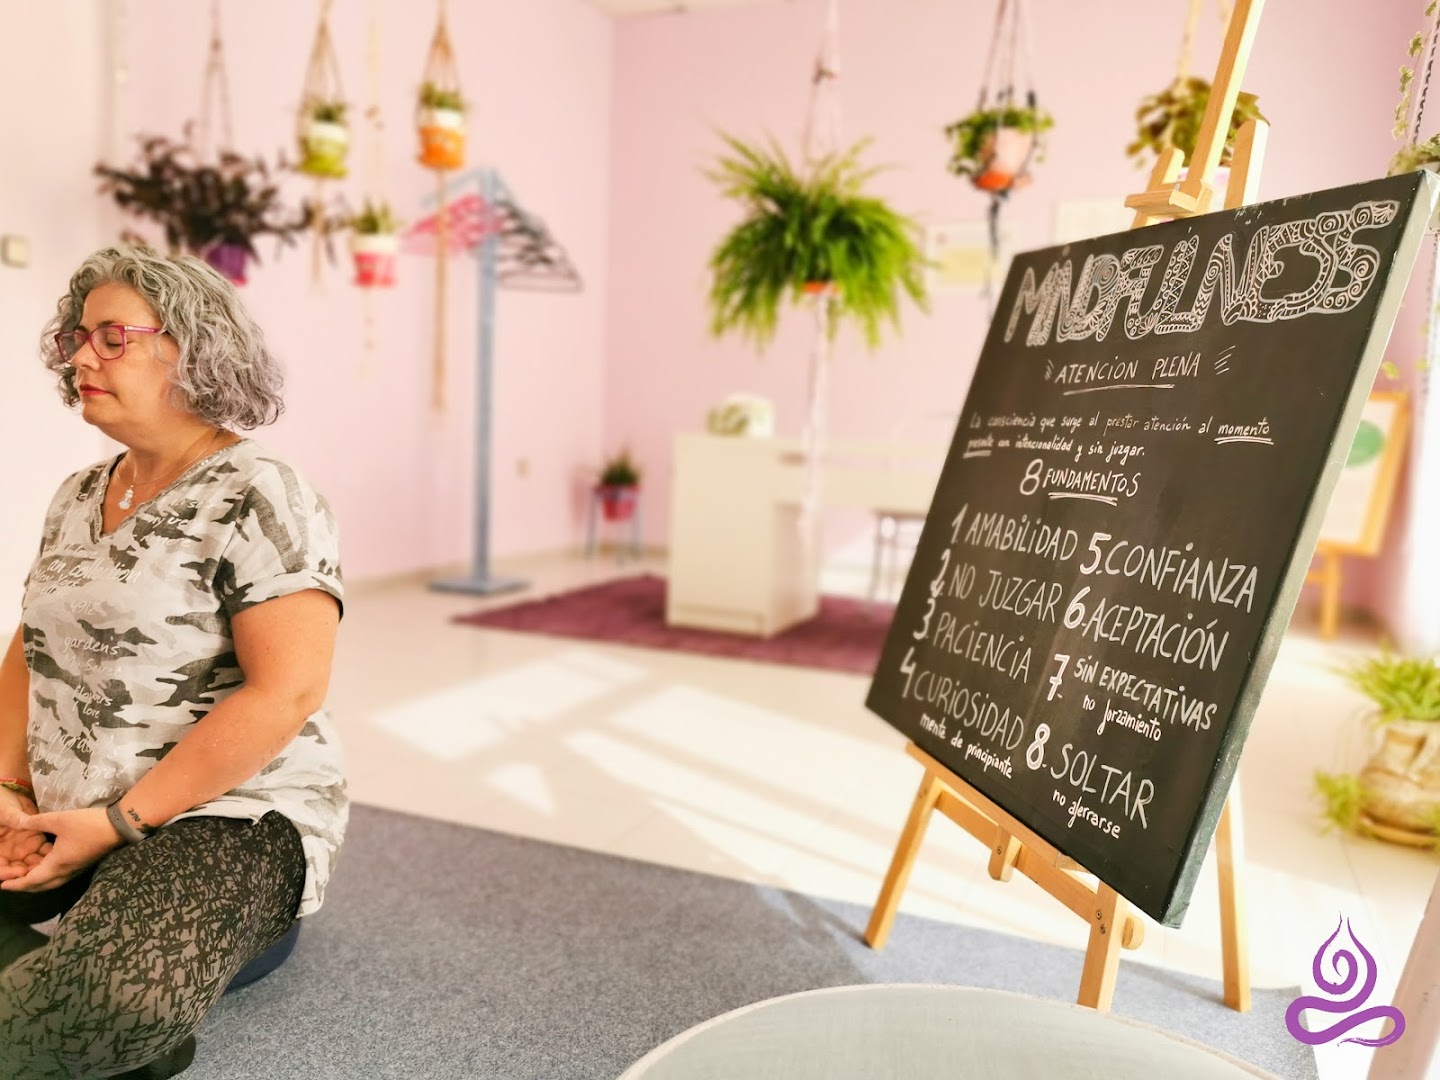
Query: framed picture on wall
(961,258)
(1355,520)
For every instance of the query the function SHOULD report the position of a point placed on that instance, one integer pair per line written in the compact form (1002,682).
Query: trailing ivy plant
(968,135)
(1174,115)
(1417,155)
(816,229)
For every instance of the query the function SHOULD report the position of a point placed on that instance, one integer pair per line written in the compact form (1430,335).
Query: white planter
(453,119)
(327,133)
(1010,150)
(375,243)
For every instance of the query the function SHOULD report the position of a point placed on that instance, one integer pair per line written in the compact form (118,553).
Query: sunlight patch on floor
(474,715)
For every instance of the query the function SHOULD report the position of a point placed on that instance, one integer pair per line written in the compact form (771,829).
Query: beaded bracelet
(20,787)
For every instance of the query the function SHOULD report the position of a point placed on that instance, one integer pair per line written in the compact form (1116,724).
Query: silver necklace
(126,499)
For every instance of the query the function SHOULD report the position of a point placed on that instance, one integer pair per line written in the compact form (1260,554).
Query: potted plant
(1173,117)
(440,120)
(994,146)
(375,245)
(619,487)
(810,233)
(212,209)
(1396,795)
(324,140)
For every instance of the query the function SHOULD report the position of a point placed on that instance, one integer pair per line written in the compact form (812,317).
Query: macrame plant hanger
(370,272)
(215,87)
(228,259)
(442,150)
(1010,150)
(821,141)
(323,137)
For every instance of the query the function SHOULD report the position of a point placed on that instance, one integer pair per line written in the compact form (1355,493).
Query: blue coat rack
(517,253)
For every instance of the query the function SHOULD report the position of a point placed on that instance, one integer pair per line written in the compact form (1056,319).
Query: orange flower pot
(1006,155)
(442,138)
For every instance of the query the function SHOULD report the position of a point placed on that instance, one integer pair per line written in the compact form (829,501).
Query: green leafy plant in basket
(1396,796)
(803,234)
(974,139)
(1174,115)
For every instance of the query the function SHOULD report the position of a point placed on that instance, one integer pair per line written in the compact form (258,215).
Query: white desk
(737,561)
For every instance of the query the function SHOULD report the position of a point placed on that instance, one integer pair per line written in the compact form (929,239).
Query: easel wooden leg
(1102,956)
(1234,939)
(1330,601)
(883,917)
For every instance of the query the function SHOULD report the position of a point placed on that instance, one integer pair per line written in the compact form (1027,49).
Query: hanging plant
(809,233)
(440,121)
(375,245)
(324,140)
(1413,154)
(994,147)
(215,210)
(1173,117)
(440,109)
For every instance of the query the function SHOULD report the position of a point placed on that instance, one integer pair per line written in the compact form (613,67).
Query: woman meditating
(169,781)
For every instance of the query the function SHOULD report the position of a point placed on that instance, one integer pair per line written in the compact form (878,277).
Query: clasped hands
(40,851)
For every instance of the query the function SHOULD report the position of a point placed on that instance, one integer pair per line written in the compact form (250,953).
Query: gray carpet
(449,953)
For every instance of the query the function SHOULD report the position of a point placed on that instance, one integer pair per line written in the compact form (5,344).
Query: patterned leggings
(153,938)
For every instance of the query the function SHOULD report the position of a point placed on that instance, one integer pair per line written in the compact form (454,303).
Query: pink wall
(45,197)
(538,74)
(603,129)
(1328,86)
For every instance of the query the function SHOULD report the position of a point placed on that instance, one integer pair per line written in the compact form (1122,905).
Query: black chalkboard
(1126,514)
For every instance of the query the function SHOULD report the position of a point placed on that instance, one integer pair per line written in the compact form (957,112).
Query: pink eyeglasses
(108,341)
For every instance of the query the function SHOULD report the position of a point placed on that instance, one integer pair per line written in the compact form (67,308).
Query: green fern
(806,230)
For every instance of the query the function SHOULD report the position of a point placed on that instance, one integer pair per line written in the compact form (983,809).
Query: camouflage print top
(127,637)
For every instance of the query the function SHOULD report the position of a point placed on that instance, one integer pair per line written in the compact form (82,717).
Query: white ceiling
(650,7)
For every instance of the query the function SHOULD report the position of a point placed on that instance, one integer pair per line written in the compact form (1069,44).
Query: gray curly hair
(224,373)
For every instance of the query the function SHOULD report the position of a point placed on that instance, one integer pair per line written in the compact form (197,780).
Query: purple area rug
(846,635)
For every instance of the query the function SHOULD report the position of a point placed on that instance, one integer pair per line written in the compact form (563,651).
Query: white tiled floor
(779,775)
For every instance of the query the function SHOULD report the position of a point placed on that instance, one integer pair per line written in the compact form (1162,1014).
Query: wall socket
(14,251)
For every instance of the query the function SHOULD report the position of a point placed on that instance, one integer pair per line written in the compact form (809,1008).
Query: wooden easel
(1013,846)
